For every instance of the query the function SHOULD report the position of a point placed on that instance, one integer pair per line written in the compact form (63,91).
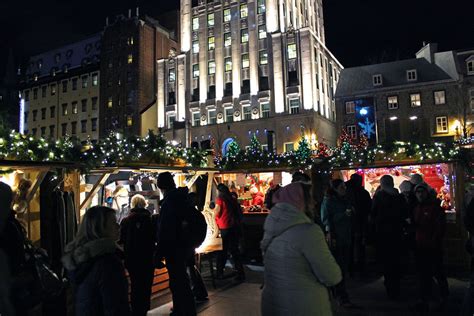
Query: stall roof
(37,164)
(388,164)
(151,168)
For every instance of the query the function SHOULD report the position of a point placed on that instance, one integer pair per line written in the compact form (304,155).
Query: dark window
(73,128)
(52,112)
(35,94)
(43,131)
(263,83)
(171,97)
(43,113)
(94,103)
(74,84)
(83,126)
(94,124)
(245,86)
(292,78)
(33,131)
(43,91)
(228,89)
(64,129)
(84,105)
(211,94)
(52,130)
(64,86)
(27,95)
(35,114)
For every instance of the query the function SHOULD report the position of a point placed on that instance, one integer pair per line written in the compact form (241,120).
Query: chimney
(137,12)
(129,13)
(428,51)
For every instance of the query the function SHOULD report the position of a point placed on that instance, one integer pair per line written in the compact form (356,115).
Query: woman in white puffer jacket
(298,263)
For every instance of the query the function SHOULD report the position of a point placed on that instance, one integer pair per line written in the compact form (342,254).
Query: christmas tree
(233,150)
(304,150)
(255,147)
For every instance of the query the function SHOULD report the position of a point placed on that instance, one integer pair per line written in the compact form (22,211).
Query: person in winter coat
(172,245)
(389,213)
(298,263)
(362,203)
(228,220)
(430,224)
(94,267)
(336,216)
(136,236)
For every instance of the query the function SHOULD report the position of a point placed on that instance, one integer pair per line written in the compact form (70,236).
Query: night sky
(358,32)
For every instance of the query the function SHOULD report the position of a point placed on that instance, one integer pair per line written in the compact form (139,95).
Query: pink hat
(292,194)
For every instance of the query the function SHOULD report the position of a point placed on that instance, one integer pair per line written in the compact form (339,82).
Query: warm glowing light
(414,117)
(393,118)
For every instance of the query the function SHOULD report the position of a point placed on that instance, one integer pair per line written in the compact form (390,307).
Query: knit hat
(416,179)
(292,194)
(165,181)
(423,186)
(405,186)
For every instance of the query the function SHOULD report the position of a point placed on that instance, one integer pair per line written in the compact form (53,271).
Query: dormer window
(470,67)
(377,80)
(411,75)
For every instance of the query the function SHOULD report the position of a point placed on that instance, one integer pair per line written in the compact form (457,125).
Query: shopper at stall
(228,218)
(362,203)
(337,216)
(430,223)
(389,212)
(298,263)
(94,266)
(171,244)
(136,236)
(268,203)
(408,191)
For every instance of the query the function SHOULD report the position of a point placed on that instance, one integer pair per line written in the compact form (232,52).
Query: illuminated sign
(22,116)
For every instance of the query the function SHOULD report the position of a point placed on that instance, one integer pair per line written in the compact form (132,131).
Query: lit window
(262,32)
(171,75)
(411,75)
(377,80)
(247,111)
(130,41)
(170,118)
(129,120)
(227,39)
(415,99)
(84,81)
(195,23)
(210,43)
(195,47)
(392,102)
(64,108)
(228,64)
(263,57)
(84,126)
(196,118)
(130,58)
(73,128)
(291,51)
(109,102)
(350,107)
(95,80)
(195,70)
(74,107)
(226,15)
(244,11)
(441,124)
(211,67)
(439,97)
(53,89)
(289,147)
(245,61)
(351,131)
(229,115)
(244,35)
(470,67)
(210,19)
(294,106)
(260,6)
(212,116)
(265,110)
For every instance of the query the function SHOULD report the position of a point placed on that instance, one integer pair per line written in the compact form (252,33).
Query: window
(130,98)
(265,110)
(74,84)
(43,91)
(210,19)
(350,107)
(471,99)
(212,116)
(130,58)
(109,102)
(74,107)
(64,108)
(228,64)
(43,131)
(351,131)
(95,78)
(211,67)
(129,120)
(43,113)
(63,129)
(411,75)
(289,147)
(291,48)
(94,103)
(35,94)
(172,75)
(441,124)
(64,83)
(129,76)
(170,118)
(35,114)
(245,61)
(440,97)
(196,118)
(52,112)
(262,32)
(84,105)
(470,67)
(85,80)
(27,95)
(247,111)
(226,15)
(392,102)
(415,99)
(33,131)
(260,6)
(377,80)
(210,43)
(244,35)
(196,71)
(229,115)
(195,47)
(227,39)
(94,124)
(195,23)
(244,11)
(263,57)
(294,106)
(130,41)
(73,128)
(53,89)
(84,126)
(52,130)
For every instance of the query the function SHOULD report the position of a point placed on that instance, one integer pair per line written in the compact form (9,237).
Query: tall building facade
(131,47)
(9,94)
(60,92)
(249,67)
(427,98)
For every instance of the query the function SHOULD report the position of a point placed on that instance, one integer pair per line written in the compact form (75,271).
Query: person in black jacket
(95,268)
(136,235)
(171,245)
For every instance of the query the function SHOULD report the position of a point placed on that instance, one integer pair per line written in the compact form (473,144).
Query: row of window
(377,80)
(64,126)
(65,86)
(64,108)
(110,100)
(129,61)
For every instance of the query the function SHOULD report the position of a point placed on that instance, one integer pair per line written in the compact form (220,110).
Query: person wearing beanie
(298,263)
(407,190)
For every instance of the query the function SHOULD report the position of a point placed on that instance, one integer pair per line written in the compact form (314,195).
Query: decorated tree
(234,149)
(255,146)
(303,152)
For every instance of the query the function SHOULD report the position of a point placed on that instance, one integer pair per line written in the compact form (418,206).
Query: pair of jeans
(183,298)
(429,264)
(230,243)
(141,281)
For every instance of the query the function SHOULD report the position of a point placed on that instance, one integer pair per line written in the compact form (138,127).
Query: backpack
(194,227)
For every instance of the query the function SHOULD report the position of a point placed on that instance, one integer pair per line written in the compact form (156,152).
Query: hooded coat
(101,287)
(298,264)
